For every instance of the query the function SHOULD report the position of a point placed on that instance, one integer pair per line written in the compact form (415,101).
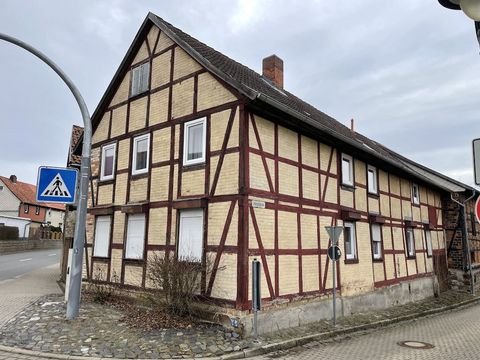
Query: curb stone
(278,346)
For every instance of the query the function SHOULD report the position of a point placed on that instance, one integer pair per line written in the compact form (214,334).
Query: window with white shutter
(376,241)
(135,237)
(102,236)
(190,242)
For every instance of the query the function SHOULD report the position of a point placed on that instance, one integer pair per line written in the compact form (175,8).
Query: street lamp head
(471,8)
(450,4)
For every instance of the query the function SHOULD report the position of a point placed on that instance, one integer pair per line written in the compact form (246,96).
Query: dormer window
(140,79)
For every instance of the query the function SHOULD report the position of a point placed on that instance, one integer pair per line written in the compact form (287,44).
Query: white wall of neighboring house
(55,217)
(9,203)
(22,224)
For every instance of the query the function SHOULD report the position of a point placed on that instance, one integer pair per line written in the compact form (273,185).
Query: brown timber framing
(279,202)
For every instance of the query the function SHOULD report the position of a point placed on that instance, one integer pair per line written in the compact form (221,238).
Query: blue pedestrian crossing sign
(56,185)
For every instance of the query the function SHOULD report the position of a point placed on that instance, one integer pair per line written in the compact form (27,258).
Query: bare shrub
(102,291)
(176,282)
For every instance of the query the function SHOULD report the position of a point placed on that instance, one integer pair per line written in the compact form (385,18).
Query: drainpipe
(469,256)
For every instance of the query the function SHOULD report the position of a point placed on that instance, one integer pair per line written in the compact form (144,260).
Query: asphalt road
(454,335)
(14,266)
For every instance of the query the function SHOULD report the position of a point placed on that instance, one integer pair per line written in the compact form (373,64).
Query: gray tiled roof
(260,90)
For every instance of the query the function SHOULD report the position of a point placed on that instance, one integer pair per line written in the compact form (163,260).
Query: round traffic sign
(334,253)
(477,209)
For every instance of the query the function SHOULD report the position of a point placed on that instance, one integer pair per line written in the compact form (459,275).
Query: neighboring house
(18,199)
(460,253)
(22,224)
(196,155)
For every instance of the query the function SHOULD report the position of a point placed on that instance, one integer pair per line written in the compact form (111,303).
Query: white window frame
(376,256)
(26,208)
(37,210)
(186,126)
(101,246)
(428,242)
(372,185)
(351,179)
(415,199)
(353,247)
(410,242)
(134,159)
(102,167)
(134,251)
(191,251)
(140,79)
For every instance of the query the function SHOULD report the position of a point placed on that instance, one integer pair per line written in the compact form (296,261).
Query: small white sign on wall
(257,204)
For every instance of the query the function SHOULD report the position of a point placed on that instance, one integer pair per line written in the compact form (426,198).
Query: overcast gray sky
(407,72)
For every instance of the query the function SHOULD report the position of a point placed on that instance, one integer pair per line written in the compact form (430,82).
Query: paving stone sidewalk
(99,333)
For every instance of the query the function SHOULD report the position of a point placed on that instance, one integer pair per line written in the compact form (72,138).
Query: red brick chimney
(13,179)
(273,70)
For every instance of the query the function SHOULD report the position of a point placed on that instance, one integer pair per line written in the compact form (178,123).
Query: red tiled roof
(26,193)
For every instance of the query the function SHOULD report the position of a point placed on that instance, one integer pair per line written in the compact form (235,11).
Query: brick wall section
(10,246)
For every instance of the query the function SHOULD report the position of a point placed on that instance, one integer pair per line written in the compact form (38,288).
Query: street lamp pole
(73,302)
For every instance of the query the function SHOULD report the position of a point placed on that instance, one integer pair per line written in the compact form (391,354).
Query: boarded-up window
(140,79)
(432,216)
(428,242)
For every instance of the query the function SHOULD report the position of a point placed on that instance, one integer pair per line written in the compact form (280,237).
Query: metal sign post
(256,293)
(334,254)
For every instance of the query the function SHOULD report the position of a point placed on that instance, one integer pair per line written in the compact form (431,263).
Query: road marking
(25,259)
(52,255)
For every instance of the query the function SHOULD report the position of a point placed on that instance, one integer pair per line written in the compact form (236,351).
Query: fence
(45,234)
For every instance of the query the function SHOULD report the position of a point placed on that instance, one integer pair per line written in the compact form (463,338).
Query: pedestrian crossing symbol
(56,185)
(56,188)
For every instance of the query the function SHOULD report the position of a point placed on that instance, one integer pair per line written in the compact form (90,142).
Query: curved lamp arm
(73,303)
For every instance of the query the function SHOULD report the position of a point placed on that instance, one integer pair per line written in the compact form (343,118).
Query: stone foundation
(300,313)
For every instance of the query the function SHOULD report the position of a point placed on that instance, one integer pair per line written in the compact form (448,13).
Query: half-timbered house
(197,155)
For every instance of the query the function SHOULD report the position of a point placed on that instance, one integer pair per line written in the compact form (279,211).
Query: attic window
(1,187)
(140,79)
